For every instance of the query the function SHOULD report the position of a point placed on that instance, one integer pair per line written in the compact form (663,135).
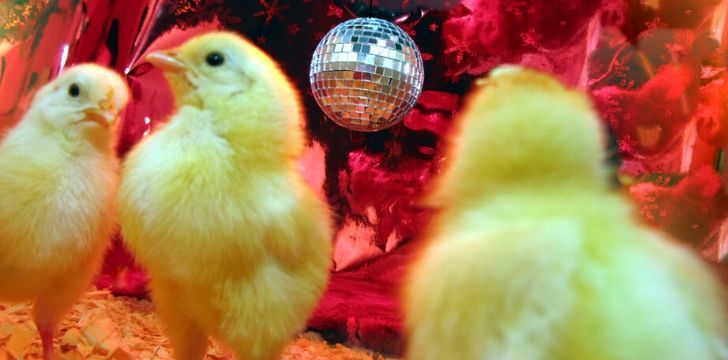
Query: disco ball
(366,74)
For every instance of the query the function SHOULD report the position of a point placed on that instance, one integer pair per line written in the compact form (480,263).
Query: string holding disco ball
(366,74)
(396,11)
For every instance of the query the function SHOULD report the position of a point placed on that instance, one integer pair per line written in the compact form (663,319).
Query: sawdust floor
(103,326)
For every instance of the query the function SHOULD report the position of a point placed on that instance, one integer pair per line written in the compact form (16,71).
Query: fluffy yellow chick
(532,257)
(236,245)
(58,176)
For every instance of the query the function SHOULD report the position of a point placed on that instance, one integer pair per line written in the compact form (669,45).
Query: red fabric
(691,210)
(362,304)
(121,273)
(433,112)
(712,113)
(649,120)
(548,35)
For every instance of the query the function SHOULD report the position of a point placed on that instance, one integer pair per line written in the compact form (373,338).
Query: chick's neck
(184,91)
(67,132)
(252,134)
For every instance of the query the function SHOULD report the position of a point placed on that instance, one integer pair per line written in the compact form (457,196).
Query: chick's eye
(74,90)
(214,59)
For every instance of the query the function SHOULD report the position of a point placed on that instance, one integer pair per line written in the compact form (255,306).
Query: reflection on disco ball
(366,74)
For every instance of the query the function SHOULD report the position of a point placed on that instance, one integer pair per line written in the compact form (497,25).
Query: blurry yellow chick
(532,257)
(58,176)
(236,245)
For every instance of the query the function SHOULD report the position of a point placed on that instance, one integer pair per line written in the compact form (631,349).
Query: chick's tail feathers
(700,293)
(521,271)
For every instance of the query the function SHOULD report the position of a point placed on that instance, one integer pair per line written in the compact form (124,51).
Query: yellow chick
(532,257)
(236,245)
(57,182)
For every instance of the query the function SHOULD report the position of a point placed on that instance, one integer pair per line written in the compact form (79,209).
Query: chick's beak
(103,114)
(102,117)
(167,61)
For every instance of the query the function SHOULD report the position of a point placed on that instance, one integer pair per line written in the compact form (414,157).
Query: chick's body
(237,246)
(57,184)
(531,257)
(55,216)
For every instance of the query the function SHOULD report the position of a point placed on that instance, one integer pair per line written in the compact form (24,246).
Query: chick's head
(84,101)
(228,76)
(523,128)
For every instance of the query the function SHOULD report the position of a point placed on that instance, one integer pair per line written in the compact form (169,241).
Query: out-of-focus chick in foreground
(532,257)
(58,176)
(237,246)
